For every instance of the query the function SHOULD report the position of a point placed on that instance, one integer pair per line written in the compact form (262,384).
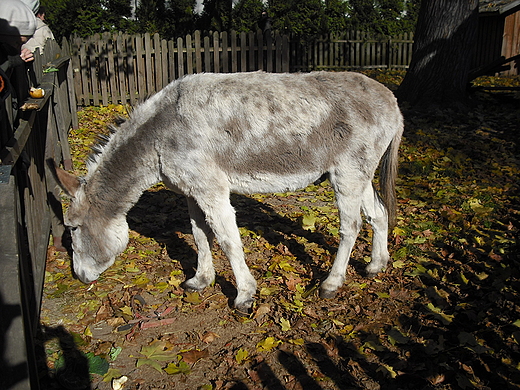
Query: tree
(217,15)
(298,17)
(384,17)
(87,17)
(151,16)
(247,15)
(442,54)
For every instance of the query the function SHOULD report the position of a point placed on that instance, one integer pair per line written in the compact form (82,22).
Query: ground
(443,315)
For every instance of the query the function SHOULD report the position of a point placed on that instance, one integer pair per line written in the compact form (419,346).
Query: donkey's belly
(269,182)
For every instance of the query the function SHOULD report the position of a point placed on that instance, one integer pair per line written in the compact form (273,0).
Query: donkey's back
(270,132)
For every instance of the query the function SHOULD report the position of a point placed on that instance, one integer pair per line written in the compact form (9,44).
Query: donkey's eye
(73,228)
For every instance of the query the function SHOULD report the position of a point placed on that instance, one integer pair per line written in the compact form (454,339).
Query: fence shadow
(71,369)
(10,374)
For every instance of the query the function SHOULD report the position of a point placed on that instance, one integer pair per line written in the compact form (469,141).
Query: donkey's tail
(388,175)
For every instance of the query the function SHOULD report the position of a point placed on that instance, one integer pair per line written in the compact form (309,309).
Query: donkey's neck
(127,166)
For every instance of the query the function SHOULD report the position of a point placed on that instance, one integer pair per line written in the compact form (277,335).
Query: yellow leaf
(399,232)
(297,341)
(193,298)
(308,221)
(267,344)
(399,264)
(127,310)
(286,325)
(387,370)
(241,356)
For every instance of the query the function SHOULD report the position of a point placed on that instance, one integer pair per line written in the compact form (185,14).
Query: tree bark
(443,50)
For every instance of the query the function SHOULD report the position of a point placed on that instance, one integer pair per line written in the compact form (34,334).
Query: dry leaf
(262,310)
(193,356)
(209,337)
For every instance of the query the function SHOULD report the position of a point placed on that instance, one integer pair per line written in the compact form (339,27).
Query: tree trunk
(442,54)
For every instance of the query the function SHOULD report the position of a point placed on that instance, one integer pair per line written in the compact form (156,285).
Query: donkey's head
(97,238)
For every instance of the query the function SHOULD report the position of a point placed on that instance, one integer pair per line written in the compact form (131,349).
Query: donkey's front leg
(220,215)
(203,236)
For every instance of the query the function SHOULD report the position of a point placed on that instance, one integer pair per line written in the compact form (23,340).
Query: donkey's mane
(136,116)
(101,142)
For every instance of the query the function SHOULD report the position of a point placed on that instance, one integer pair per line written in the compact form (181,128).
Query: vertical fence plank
(269,52)
(157,62)
(180,57)
(225,54)
(278,53)
(104,77)
(111,70)
(189,55)
(234,64)
(243,52)
(123,90)
(285,53)
(77,57)
(251,51)
(164,61)
(84,75)
(131,69)
(198,54)
(207,55)
(260,50)
(171,60)
(148,64)
(216,52)
(94,92)
(141,66)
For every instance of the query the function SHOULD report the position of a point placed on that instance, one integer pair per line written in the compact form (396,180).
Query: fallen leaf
(180,368)
(241,356)
(285,324)
(208,337)
(193,298)
(194,355)
(267,344)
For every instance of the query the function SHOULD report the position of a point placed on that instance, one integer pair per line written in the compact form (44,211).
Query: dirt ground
(445,315)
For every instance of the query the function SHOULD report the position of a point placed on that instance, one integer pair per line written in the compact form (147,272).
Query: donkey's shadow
(163,214)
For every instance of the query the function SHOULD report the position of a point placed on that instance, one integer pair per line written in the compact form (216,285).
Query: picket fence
(122,68)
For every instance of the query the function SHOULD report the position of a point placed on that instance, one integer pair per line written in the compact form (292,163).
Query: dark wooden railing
(30,209)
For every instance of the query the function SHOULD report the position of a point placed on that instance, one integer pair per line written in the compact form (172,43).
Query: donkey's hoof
(372,272)
(327,294)
(191,286)
(244,307)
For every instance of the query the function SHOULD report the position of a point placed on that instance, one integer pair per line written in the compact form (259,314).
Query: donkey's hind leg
(203,236)
(348,199)
(377,215)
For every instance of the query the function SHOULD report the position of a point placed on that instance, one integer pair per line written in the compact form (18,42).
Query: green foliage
(386,17)
(247,15)
(298,17)
(172,18)
(87,17)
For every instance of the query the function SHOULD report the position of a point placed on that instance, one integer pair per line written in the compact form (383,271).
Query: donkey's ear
(67,181)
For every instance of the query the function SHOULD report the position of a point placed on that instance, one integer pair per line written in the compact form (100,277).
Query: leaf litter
(444,315)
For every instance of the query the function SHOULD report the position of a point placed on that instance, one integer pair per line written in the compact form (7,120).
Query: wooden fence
(30,206)
(121,68)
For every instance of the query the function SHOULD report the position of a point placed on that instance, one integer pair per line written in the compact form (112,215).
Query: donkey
(207,135)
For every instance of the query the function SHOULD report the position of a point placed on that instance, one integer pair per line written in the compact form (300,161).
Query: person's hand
(27,55)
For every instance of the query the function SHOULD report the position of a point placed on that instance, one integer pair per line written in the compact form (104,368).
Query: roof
(499,6)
